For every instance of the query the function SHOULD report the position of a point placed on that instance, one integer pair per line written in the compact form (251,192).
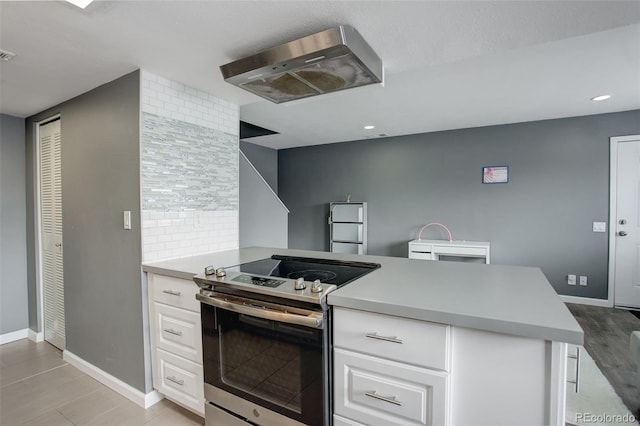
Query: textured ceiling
(448,64)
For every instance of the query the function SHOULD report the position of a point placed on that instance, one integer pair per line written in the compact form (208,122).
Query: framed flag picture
(495,174)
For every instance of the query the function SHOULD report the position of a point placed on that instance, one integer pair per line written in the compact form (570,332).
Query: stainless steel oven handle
(311,321)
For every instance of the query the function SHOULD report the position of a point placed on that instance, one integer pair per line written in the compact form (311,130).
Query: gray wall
(102,273)
(265,160)
(263,220)
(13,227)
(559,185)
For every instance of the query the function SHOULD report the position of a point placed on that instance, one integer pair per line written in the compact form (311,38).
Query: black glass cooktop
(328,271)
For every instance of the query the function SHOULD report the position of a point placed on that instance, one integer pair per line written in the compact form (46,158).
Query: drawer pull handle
(176,381)
(393,339)
(576,382)
(389,399)
(172,331)
(172,292)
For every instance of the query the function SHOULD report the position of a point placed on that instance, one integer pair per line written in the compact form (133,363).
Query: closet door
(51,233)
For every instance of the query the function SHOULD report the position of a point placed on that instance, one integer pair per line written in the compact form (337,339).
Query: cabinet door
(180,380)
(378,392)
(179,331)
(347,213)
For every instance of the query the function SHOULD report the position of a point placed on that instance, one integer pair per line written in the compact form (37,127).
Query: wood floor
(606,338)
(37,387)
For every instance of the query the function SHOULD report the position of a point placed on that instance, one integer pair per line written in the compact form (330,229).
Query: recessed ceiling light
(600,98)
(80,3)
(369,127)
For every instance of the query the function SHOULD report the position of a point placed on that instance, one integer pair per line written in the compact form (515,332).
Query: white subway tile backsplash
(172,231)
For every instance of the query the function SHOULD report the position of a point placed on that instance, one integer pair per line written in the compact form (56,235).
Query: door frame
(613,213)
(38,230)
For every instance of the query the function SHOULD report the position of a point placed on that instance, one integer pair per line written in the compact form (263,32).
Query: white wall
(189,168)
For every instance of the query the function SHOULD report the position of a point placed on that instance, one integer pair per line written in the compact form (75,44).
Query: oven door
(265,354)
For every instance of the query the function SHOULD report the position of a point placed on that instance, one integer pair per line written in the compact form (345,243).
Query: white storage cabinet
(348,227)
(390,370)
(176,341)
(433,249)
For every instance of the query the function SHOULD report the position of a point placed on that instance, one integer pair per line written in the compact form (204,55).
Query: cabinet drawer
(181,380)
(350,232)
(420,255)
(376,391)
(351,248)
(178,331)
(462,251)
(347,212)
(175,292)
(216,416)
(420,247)
(415,342)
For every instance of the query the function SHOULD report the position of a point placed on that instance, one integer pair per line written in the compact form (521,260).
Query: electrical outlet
(583,280)
(571,279)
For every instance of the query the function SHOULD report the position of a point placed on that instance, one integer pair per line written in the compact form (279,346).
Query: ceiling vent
(325,62)
(6,56)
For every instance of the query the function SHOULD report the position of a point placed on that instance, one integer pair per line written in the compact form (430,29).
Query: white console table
(433,249)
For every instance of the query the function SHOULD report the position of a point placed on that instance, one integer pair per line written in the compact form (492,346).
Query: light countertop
(503,299)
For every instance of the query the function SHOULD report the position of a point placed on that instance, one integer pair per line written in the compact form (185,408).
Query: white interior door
(51,233)
(625,226)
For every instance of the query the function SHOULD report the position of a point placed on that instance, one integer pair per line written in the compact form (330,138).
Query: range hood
(325,62)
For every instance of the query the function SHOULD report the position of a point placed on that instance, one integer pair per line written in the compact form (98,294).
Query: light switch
(599,226)
(127,219)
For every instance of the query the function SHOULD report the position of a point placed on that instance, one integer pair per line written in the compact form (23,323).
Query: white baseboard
(586,301)
(13,336)
(143,400)
(36,336)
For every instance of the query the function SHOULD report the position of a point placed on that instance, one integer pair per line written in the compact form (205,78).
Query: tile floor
(37,387)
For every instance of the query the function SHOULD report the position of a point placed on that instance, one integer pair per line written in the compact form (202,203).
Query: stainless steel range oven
(266,333)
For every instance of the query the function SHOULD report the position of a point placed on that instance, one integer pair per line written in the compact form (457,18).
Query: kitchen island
(497,339)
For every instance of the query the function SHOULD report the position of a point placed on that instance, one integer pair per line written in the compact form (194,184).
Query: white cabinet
(390,370)
(504,380)
(434,249)
(176,340)
(396,371)
(348,227)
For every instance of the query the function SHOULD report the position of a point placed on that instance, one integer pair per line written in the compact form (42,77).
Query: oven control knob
(209,270)
(316,287)
(220,272)
(299,284)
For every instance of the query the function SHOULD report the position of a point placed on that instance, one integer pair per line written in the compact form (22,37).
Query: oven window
(273,364)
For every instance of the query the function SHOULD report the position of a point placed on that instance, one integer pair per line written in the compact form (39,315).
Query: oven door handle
(313,320)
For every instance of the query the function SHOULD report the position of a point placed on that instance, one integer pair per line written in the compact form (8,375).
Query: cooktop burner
(328,271)
(312,275)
